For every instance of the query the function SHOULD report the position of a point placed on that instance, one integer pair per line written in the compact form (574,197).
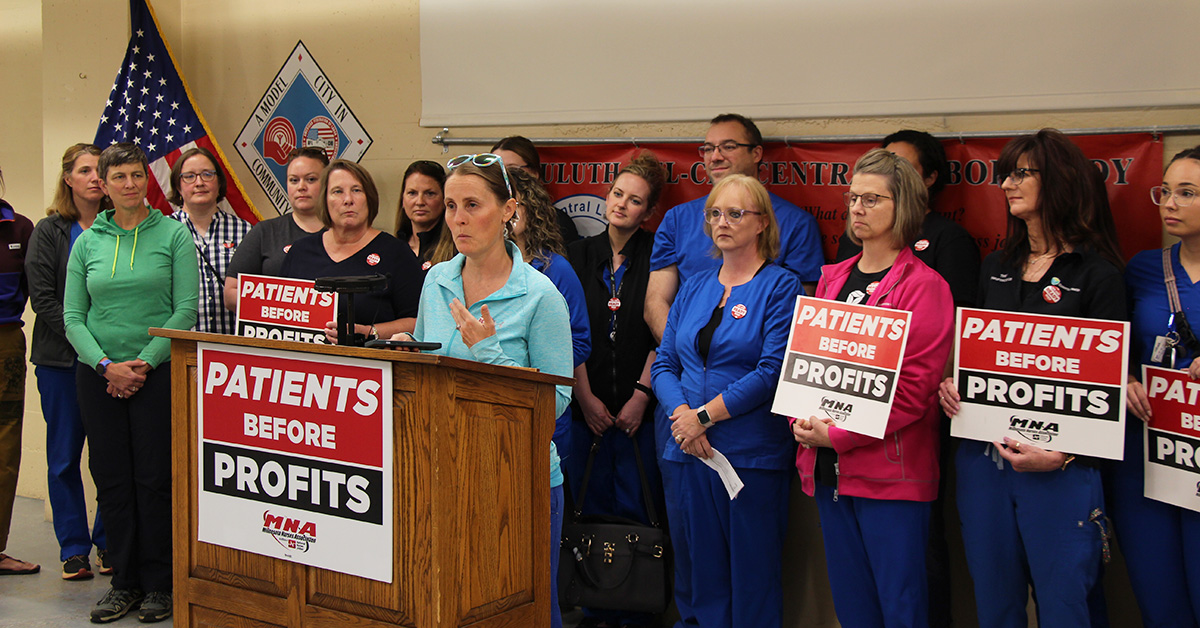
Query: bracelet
(1066,462)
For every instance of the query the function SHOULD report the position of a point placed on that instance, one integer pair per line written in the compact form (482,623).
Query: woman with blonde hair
(715,374)
(78,198)
(874,494)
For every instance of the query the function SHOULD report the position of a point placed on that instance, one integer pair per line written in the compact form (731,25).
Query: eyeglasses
(869,199)
(483,160)
(725,147)
(1183,197)
(1018,175)
(205,175)
(732,215)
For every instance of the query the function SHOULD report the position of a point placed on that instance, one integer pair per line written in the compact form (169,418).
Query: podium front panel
(471,501)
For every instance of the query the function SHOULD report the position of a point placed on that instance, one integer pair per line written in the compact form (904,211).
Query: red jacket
(904,463)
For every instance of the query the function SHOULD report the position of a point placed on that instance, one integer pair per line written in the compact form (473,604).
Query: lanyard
(614,301)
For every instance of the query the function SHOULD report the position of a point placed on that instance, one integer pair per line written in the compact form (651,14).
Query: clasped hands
(126,378)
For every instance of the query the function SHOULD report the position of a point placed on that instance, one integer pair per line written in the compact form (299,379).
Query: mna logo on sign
(300,108)
(292,534)
(837,410)
(1033,430)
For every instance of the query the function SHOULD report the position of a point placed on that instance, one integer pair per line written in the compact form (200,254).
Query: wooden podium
(471,498)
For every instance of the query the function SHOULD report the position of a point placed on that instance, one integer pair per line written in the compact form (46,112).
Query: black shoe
(77,568)
(156,607)
(102,565)
(115,604)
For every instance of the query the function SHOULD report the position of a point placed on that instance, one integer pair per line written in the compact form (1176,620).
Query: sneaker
(77,568)
(156,607)
(115,604)
(102,565)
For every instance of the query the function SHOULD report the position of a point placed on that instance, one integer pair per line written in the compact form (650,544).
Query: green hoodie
(122,282)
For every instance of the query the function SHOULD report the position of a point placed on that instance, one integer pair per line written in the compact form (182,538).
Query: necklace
(1036,265)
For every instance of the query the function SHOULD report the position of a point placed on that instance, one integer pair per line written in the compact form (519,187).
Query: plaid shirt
(213,251)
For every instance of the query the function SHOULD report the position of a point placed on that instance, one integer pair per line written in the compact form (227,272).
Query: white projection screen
(509,62)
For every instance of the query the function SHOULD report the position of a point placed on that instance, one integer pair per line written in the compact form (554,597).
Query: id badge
(1160,349)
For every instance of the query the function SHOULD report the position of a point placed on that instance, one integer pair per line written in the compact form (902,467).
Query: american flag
(151,106)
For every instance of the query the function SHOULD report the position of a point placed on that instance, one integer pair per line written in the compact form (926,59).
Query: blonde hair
(768,240)
(64,197)
(909,194)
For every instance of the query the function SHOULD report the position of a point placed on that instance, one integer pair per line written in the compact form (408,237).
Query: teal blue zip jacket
(532,326)
(122,282)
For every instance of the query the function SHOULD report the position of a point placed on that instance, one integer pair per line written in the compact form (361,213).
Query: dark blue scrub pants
(1160,542)
(1019,527)
(875,550)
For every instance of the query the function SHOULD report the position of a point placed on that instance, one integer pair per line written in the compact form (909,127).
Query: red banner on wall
(814,176)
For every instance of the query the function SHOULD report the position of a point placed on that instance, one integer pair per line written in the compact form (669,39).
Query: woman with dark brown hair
(1032,516)
(534,232)
(422,211)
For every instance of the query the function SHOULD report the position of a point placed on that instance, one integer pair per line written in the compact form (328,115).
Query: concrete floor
(45,600)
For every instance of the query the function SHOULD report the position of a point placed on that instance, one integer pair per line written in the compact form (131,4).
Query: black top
(566,228)
(614,365)
(946,247)
(384,255)
(262,251)
(1089,286)
(426,240)
(858,285)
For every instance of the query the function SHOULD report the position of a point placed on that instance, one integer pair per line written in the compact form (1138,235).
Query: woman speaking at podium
(486,304)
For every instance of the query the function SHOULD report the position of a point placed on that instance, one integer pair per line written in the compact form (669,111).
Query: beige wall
(58,59)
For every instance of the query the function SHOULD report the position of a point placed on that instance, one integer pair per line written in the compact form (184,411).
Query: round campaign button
(1051,294)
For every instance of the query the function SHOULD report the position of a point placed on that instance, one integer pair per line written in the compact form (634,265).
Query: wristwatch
(103,366)
(702,415)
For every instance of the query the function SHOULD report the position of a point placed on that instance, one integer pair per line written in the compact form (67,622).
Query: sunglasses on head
(483,160)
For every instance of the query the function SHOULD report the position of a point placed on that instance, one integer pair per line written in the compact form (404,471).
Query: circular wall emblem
(586,212)
(323,133)
(278,140)
(373,259)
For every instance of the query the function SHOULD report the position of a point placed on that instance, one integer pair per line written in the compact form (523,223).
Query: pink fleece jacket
(904,463)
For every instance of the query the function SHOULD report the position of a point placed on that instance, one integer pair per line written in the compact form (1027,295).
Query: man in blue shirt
(733,145)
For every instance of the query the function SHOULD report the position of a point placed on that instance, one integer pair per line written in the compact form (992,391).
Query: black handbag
(611,562)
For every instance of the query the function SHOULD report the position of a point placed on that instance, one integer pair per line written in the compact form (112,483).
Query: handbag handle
(647,500)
